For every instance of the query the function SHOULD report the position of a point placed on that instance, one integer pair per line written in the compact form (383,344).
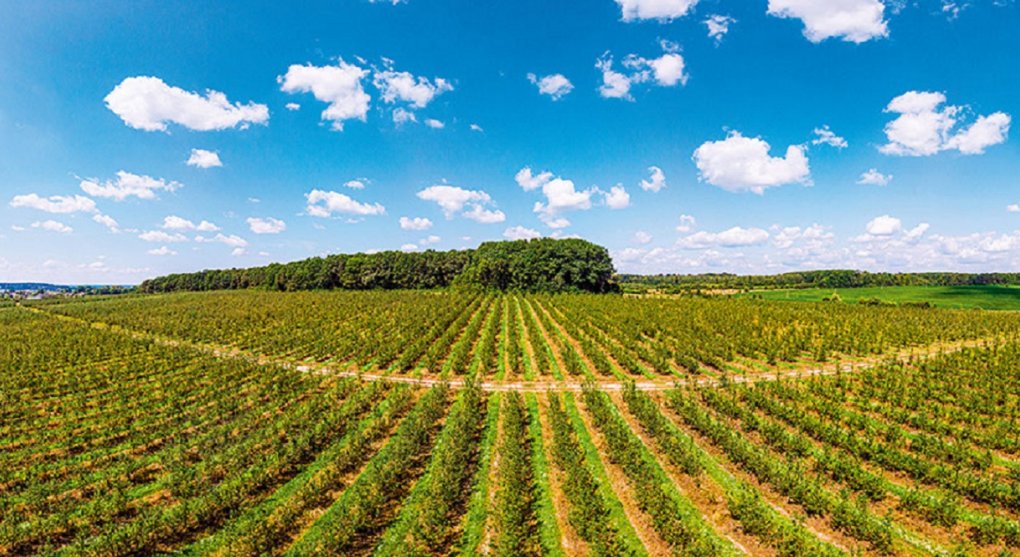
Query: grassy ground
(984,297)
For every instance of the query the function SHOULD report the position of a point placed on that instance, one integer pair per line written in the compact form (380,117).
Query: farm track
(525,386)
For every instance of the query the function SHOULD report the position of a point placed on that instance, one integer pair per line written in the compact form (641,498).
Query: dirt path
(546,383)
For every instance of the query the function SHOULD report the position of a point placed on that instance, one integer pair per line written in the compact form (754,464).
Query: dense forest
(545,264)
(810,279)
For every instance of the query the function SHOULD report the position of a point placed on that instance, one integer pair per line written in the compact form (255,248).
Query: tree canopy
(544,264)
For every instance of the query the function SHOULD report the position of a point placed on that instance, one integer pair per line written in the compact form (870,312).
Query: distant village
(38,291)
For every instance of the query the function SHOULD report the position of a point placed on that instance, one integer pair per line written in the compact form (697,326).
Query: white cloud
(718,26)
(52,226)
(924,127)
(615,85)
(402,116)
(267,225)
(642,237)
(163,237)
(339,86)
(408,247)
(434,124)
(521,233)
(237,252)
(665,71)
(733,237)
(483,215)
(292,106)
(162,250)
(173,222)
(828,137)
(55,203)
(452,199)
(687,223)
(740,163)
(358,184)
(561,196)
(856,21)
(617,198)
(431,239)
(204,159)
(655,182)
(874,178)
(528,181)
(231,240)
(477,128)
(555,85)
(128,185)
(325,203)
(917,231)
(883,226)
(662,10)
(815,235)
(1013,208)
(984,132)
(418,91)
(417,223)
(107,221)
(147,103)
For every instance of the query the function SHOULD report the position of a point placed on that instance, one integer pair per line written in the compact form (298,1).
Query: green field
(959,297)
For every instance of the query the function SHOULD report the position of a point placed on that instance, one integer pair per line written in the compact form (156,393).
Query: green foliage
(544,264)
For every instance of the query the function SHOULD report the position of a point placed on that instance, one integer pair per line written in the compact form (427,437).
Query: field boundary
(556,385)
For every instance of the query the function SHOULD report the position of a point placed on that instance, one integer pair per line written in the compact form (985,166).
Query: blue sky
(865,134)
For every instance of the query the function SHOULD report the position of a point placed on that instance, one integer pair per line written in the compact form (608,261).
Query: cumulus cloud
(232,240)
(617,197)
(147,103)
(884,225)
(162,237)
(480,214)
(52,226)
(128,185)
(358,184)
(1013,208)
(408,247)
(529,181)
(292,106)
(733,237)
(787,236)
(107,221)
(402,116)
(162,251)
(925,127)
(434,124)
(561,196)
(686,224)
(431,239)
(453,200)
(855,21)
(740,163)
(55,203)
(655,182)
(173,222)
(873,177)
(339,86)
(416,223)
(668,70)
(555,85)
(718,26)
(267,225)
(477,128)
(662,10)
(521,233)
(204,159)
(325,203)
(642,237)
(826,136)
(417,91)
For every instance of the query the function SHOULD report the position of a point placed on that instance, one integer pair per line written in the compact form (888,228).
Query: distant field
(960,297)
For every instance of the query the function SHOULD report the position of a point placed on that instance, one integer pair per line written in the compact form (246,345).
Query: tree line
(544,264)
(811,279)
